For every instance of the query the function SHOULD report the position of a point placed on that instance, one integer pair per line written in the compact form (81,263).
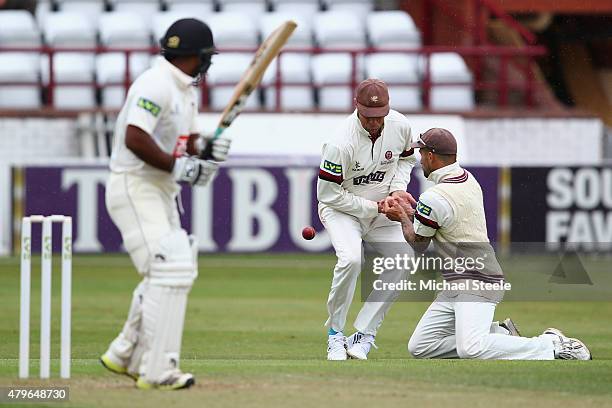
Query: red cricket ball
(308,233)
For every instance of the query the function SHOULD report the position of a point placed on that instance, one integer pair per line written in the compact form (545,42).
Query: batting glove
(193,170)
(214,149)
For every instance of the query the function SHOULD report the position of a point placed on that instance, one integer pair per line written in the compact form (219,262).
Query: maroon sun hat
(437,140)
(372,98)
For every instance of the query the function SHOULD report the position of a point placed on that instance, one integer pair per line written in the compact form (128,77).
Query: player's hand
(214,149)
(193,170)
(408,209)
(394,210)
(404,196)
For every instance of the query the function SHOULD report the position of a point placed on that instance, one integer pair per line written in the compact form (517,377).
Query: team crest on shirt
(388,158)
(423,208)
(357,167)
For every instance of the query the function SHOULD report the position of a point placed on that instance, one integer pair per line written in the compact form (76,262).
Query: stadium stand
(144,8)
(336,44)
(20,67)
(253,8)
(392,29)
(124,29)
(69,29)
(447,68)
(305,8)
(334,80)
(90,9)
(234,30)
(301,37)
(224,73)
(360,8)
(18,29)
(201,9)
(401,72)
(296,73)
(295,67)
(43,8)
(110,76)
(120,29)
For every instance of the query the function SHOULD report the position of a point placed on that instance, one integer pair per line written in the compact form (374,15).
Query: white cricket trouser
(463,327)
(346,233)
(144,211)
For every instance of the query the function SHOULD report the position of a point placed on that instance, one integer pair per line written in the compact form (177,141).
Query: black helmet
(187,37)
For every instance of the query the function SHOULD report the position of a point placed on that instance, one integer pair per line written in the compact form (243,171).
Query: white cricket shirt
(162,101)
(356,172)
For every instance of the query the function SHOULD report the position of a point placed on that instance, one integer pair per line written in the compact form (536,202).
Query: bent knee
(350,262)
(470,349)
(415,347)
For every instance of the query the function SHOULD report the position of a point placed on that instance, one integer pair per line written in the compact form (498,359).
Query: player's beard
(426,170)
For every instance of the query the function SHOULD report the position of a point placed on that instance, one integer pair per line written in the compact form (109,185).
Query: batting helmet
(187,37)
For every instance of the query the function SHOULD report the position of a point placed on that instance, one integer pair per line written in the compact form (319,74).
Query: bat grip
(207,153)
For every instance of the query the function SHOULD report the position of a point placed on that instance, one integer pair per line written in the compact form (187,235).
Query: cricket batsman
(156,146)
(459,323)
(368,159)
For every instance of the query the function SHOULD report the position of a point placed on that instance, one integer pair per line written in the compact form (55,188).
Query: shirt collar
(181,78)
(443,172)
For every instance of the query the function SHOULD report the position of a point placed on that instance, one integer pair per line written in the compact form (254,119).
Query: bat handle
(206,153)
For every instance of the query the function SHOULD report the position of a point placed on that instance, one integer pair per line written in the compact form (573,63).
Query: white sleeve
(432,213)
(329,186)
(193,127)
(147,105)
(406,163)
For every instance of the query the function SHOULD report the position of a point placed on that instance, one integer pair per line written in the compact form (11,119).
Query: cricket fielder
(459,323)
(369,159)
(156,146)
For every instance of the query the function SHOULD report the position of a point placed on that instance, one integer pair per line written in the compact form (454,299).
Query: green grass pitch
(254,337)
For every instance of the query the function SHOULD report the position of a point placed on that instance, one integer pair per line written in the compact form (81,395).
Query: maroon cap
(437,140)
(372,98)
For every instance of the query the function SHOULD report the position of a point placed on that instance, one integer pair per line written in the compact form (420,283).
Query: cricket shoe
(359,345)
(568,348)
(177,380)
(512,328)
(113,365)
(336,347)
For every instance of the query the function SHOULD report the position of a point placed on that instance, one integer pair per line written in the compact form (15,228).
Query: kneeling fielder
(460,325)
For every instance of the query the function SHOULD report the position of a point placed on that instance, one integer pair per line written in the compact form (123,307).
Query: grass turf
(254,337)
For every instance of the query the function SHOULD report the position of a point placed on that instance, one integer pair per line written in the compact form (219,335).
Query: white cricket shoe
(176,380)
(336,347)
(512,328)
(568,348)
(116,365)
(359,345)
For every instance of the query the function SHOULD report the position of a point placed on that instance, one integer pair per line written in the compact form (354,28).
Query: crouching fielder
(156,146)
(459,324)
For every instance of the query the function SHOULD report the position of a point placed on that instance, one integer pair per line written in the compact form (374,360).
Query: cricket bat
(251,78)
